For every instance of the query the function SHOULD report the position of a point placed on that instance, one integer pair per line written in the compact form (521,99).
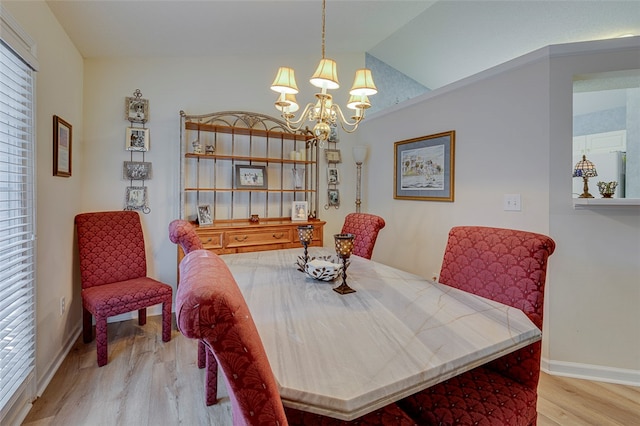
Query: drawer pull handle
(207,241)
(241,239)
(278,236)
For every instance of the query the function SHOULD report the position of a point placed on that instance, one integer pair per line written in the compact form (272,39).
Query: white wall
(594,321)
(514,135)
(58,92)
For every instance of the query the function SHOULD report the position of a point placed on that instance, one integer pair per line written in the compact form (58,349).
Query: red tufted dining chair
(183,233)
(365,227)
(113,272)
(508,266)
(210,307)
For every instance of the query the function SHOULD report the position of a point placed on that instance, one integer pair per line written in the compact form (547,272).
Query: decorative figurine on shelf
(305,233)
(607,189)
(197,147)
(209,149)
(254,218)
(344,247)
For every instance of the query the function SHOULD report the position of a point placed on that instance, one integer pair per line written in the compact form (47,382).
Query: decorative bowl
(323,270)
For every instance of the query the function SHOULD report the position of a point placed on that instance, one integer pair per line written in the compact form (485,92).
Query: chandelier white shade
(285,81)
(323,112)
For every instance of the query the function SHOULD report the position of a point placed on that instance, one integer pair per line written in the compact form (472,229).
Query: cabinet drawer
(258,237)
(211,239)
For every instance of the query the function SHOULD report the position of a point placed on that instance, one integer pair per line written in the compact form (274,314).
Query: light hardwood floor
(148,382)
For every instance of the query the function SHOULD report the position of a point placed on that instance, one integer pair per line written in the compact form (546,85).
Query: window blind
(17,228)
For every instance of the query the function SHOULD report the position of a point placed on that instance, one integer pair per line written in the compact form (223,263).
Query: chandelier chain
(323,19)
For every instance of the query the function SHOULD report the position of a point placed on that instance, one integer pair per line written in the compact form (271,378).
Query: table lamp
(585,169)
(344,247)
(359,155)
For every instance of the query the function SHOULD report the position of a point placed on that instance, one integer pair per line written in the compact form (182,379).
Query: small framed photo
(136,109)
(333,176)
(205,218)
(61,147)
(251,177)
(333,156)
(137,139)
(299,210)
(334,197)
(136,170)
(136,198)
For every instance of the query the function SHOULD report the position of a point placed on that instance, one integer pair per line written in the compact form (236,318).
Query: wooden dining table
(344,356)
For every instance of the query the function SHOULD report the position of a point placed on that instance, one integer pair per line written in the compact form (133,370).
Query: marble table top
(347,355)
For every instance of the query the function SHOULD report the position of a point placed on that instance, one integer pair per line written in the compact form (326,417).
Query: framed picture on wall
(334,197)
(333,156)
(136,170)
(333,176)
(136,198)
(423,168)
(61,147)
(136,109)
(137,139)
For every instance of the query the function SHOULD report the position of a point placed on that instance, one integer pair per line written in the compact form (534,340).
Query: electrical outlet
(512,202)
(63,305)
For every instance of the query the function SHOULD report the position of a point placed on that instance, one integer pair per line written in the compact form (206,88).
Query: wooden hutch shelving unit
(237,138)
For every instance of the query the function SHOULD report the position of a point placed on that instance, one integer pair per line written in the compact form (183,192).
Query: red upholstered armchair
(113,271)
(210,307)
(507,266)
(365,227)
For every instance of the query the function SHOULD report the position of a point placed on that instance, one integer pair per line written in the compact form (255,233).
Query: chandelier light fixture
(324,112)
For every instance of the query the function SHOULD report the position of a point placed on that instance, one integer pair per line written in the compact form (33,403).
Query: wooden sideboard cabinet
(214,147)
(236,237)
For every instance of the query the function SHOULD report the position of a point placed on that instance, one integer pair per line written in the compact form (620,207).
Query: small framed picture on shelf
(136,198)
(299,210)
(137,139)
(251,177)
(136,170)
(205,217)
(333,156)
(334,197)
(333,176)
(136,109)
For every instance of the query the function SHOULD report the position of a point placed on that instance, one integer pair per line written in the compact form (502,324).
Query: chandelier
(324,112)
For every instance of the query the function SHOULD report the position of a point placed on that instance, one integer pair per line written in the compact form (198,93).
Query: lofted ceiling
(433,42)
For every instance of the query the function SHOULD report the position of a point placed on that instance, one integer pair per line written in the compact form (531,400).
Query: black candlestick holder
(344,247)
(305,233)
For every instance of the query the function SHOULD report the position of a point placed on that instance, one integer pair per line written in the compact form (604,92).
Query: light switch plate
(512,202)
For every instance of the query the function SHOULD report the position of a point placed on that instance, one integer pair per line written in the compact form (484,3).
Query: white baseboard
(44,380)
(597,373)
